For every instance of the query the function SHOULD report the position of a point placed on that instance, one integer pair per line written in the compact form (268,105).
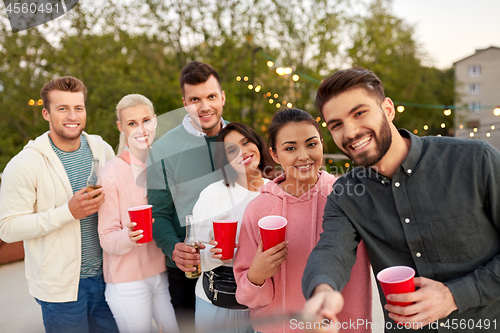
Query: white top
(218,202)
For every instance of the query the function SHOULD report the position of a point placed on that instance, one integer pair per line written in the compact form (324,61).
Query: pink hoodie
(282,293)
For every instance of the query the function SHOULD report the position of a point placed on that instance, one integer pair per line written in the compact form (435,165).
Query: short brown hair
(196,73)
(64,83)
(348,79)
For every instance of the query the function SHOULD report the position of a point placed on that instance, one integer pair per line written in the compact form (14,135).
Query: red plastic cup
(225,236)
(272,230)
(143,216)
(397,280)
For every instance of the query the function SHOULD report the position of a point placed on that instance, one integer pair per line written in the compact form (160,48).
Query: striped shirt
(78,165)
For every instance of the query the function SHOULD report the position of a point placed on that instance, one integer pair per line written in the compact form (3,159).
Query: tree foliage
(385,44)
(117,48)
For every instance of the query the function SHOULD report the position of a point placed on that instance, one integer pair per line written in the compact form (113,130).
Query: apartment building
(477,86)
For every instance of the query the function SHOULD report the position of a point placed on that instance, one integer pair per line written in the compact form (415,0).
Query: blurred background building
(477,89)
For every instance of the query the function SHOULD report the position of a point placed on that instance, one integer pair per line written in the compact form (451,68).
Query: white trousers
(135,304)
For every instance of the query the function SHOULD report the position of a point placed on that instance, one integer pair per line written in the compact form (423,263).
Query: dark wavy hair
(222,163)
(196,73)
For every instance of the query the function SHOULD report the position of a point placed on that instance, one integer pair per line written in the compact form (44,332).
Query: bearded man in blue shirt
(431,203)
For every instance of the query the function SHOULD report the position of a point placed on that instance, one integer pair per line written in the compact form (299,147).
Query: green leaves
(119,48)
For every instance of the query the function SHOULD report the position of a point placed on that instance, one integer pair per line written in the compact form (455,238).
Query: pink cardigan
(122,261)
(282,293)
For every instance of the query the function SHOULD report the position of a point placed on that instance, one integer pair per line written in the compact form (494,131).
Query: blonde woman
(135,274)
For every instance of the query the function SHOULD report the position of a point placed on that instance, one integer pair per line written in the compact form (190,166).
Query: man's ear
(183,101)
(388,108)
(223,98)
(46,114)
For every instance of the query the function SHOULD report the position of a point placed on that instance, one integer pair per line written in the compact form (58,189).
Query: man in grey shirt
(430,203)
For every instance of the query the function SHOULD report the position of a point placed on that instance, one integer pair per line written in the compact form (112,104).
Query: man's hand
(325,303)
(184,255)
(84,204)
(265,264)
(432,301)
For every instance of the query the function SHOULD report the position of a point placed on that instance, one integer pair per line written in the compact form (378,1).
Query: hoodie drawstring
(283,266)
(314,219)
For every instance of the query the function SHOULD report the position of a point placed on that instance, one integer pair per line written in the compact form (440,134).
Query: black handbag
(220,287)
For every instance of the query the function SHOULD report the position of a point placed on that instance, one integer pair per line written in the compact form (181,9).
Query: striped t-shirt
(78,164)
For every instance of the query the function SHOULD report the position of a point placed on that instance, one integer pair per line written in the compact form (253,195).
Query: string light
(31,102)
(250,86)
(346,165)
(318,119)
(488,134)
(492,127)
(471,134)
(271,101)
(40,102)
(446,109)
(278,105)
(439,135)
(238,78)
(245,78)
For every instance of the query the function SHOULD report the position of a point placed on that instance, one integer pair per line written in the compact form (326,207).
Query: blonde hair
(128,102)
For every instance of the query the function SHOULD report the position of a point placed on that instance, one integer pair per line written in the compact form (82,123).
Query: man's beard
(382,144)
(65,136)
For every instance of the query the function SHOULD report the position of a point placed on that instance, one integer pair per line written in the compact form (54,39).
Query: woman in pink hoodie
(269,282)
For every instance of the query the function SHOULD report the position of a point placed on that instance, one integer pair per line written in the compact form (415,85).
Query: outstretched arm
(325,303)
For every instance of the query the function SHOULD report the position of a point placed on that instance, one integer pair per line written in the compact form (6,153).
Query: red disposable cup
(397,280)
(225,236)
(143,216)
(272,230)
